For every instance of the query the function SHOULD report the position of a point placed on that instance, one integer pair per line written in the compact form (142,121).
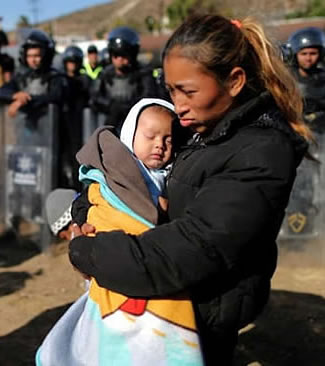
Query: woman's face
(200,101)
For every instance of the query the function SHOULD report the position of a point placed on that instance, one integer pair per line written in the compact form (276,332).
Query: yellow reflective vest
(92,73)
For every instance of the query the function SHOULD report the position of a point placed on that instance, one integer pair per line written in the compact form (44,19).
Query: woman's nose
(180,105)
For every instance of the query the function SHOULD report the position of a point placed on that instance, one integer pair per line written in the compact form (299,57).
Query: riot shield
(2,170)
(90,121)
(305,214)
(30,154)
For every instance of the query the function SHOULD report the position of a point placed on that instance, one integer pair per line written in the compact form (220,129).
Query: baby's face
(153,138)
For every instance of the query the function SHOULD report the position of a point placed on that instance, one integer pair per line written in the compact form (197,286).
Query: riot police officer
(124,81)
(35,96)
(308,51)
(304,212)
(7,63)
(79,84)
(92,67)
(35,84)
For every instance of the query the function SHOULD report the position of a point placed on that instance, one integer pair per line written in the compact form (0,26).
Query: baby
(149,137)
(135,169)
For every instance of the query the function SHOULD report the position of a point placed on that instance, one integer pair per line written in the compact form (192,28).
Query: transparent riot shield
(305,212)
(90,121)
(320,187)
(2,170)
(30,145)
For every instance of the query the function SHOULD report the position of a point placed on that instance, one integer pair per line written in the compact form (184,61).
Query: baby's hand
(163,203)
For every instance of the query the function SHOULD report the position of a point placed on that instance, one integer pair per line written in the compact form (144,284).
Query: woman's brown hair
(219,45)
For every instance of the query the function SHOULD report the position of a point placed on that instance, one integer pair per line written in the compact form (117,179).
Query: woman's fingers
(163,202)
(76,231)
(87,229)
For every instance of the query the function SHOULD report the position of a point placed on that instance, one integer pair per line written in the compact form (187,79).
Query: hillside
(100,19)
(96,21)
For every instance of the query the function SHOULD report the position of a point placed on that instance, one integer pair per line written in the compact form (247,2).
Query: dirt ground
(36,288)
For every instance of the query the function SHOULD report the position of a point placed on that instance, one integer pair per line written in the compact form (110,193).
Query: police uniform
(115,94)
(303,211)
(78,95)
(313,91)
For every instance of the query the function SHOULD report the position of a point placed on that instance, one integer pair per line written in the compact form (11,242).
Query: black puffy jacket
(227,199)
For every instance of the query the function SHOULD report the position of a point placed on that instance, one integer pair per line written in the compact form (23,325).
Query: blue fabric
(153,189)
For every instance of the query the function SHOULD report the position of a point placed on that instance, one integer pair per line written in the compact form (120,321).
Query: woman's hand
(76,231)
(85,229)
(163,203)
(88,229)
(162,210)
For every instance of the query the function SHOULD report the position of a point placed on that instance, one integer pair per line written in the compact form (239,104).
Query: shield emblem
(297,221)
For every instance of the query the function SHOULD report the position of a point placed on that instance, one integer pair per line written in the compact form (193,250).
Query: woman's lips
(186,122)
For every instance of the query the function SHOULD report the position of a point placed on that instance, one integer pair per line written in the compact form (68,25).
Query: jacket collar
(242,115)
(260,111)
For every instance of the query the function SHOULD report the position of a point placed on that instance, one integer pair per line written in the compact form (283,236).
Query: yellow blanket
(177,310)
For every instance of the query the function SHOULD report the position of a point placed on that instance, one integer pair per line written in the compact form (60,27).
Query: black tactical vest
(34,83)
(313,90)
(122,89)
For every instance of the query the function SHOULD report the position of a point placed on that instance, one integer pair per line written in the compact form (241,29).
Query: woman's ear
(236,81)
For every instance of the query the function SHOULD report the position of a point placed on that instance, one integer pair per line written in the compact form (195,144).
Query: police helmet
(124,41)
(286,53)
(73,54)
(104,57)
(38,39)
(310,37)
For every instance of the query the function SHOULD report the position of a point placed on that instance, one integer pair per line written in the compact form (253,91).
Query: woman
(228,189)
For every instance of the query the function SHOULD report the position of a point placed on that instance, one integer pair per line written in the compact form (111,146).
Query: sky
(11,10)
